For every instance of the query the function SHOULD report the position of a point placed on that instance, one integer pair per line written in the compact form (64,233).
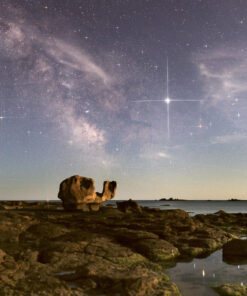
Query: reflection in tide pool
(196,277)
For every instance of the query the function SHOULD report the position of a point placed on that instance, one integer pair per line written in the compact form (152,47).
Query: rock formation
(78,193)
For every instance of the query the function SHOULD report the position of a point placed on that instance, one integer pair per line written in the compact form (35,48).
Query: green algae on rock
(231,290)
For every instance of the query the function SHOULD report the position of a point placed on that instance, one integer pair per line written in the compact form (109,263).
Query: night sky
(83,90)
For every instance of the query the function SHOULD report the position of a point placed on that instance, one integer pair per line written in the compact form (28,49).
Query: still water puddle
(67,272)
(196,277)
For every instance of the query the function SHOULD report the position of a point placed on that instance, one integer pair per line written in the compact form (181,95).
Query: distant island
(178,199)
(171,199)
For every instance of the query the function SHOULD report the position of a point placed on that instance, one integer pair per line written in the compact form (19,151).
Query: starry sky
(83,90)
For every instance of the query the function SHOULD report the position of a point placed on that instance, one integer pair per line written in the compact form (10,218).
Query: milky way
(73,74)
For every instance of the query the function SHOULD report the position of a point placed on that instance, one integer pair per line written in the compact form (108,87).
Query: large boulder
(78,193)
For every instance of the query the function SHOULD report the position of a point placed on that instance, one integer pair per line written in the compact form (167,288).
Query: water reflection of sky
(196,277)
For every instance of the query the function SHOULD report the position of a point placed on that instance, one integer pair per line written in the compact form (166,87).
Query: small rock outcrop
(78,193)
(129,206)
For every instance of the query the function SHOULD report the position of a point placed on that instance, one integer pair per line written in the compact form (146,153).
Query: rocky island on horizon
(171,199)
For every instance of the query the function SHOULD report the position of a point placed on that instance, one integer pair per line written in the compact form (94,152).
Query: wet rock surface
(47,251)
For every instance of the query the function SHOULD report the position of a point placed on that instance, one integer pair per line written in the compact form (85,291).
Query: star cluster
(84,90)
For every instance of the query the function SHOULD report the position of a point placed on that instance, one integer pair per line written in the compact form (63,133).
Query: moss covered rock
(231,290)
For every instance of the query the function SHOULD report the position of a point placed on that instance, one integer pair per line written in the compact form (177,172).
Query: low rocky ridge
(45,250)
(231,290)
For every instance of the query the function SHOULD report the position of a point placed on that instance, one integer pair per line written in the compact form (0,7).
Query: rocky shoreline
(45,250)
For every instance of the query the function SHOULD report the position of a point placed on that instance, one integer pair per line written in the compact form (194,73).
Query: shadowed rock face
(235,251)
(78,193)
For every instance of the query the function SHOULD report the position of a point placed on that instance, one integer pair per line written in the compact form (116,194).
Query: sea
(194,207)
